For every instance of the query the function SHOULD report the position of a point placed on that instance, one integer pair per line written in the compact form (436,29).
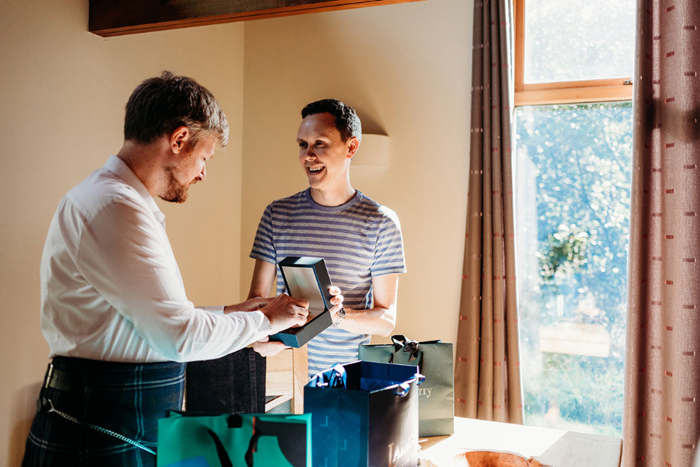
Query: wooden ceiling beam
(119,17)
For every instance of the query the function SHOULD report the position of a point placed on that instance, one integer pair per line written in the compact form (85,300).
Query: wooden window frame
(561,92)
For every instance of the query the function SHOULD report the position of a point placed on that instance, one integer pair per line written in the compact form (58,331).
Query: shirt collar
(116,165)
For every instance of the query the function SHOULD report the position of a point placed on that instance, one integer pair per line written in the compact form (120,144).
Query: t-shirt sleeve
(264,245)
(388,254)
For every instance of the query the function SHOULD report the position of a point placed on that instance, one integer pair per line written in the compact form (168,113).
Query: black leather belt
(62,380)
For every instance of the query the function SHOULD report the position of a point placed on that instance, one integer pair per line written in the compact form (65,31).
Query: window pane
(573,177)
(571,40)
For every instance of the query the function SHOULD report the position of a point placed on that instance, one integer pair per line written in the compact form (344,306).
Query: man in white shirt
(114,308)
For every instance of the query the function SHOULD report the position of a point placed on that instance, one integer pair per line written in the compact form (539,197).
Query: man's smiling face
(323,154)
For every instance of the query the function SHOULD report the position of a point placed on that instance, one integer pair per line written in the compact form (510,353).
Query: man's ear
(353,143)
(179,139)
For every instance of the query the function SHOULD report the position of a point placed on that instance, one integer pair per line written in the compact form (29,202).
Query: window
(573,145)
(573,51)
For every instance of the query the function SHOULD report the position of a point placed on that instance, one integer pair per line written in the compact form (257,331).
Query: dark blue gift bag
(364,414)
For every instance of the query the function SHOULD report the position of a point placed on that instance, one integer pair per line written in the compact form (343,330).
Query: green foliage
(589,392)
(564,255)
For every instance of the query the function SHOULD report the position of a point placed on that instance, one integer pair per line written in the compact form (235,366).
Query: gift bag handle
(252,447)
(335,377)
(402,342)
(223,455)
(403,388)
(220,449)
(408,345)
(420,360)
(402,338)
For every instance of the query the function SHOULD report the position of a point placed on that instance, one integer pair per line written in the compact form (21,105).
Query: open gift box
(307,278)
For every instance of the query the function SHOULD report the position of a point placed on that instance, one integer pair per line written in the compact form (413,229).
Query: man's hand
(284,312)
(336,301)
(253,304)
(267,349)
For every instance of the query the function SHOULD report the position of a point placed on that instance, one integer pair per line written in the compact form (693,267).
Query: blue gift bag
(364,414)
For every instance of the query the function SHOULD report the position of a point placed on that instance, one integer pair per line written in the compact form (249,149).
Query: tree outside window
(573,140)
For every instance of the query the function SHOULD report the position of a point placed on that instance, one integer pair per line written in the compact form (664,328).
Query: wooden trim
(574,95)
(300,370)
(287,374)
(276,401)
(593,83)
(519,57)
(278,379)
(565,92)
(109,18)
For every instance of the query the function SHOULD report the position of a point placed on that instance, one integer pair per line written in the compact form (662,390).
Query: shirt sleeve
(388,254)
(124,253)
(219,310)
(264,245)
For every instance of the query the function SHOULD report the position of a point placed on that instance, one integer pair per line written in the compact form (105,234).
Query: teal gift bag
(240,440)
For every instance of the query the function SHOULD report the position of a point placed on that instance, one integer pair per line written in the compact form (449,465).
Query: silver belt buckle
(49,375)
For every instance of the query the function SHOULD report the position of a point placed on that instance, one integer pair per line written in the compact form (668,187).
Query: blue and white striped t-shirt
(358,240)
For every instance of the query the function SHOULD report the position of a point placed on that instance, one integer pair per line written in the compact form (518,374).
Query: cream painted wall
(62,95)
(62,92)
(406,69)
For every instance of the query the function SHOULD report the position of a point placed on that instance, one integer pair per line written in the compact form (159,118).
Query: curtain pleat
(662,380)
(487,371)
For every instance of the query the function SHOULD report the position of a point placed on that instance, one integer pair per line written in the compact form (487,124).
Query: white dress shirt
(111,288)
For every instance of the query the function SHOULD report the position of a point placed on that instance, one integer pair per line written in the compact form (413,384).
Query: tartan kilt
(126,398)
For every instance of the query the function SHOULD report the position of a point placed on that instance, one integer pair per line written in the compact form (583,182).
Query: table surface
(556,448)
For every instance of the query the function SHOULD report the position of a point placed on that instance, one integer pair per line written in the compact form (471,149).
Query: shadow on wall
(23,409)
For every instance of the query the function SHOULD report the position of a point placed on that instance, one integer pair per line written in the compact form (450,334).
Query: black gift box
(306,278)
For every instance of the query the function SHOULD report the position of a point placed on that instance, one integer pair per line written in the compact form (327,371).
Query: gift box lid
(307,278)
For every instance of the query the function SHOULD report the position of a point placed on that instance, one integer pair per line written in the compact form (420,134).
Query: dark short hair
(346,120)
(160,105)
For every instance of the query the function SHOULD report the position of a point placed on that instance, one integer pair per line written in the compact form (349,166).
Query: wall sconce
(373,152)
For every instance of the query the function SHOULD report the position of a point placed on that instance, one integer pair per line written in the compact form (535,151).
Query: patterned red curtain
(662,406)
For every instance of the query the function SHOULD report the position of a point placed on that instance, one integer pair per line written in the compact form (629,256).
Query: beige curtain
(662,405)
(487,370)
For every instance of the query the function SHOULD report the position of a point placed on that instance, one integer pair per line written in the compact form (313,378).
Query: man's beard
(177,192)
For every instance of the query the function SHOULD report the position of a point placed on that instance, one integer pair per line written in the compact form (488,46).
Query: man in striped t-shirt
(359,239)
